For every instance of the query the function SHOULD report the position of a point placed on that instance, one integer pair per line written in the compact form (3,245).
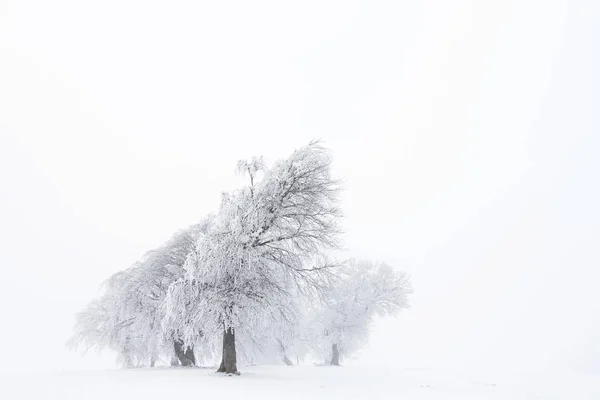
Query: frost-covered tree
(340,325)
(260,253)
(251,282)
(127,316)
(102,324)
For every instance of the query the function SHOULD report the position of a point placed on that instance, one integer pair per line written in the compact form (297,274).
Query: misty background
(467,134)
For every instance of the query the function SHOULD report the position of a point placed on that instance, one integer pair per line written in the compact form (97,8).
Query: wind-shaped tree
(127,316)
(263,250)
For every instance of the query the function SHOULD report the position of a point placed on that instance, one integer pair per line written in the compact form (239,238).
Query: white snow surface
(299,382)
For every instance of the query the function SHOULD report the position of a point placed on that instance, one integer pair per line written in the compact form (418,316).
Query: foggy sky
(467,134)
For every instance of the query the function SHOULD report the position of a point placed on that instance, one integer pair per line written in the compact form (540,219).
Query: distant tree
(127,316)
(102,324)
(340,325)
(262,250)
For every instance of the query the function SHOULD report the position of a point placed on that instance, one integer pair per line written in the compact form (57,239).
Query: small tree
(341,324)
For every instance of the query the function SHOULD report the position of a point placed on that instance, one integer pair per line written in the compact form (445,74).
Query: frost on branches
(251,282)
(127,316)
(364,289)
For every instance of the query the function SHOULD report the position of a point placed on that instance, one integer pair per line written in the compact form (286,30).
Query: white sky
(467,133)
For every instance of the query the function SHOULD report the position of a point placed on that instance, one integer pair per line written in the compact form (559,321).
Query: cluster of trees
(253,281)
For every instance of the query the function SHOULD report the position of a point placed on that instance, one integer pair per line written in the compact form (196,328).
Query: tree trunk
(189,353)
(287,361)
(152,362)
(335,354)
(127,360)
(174,361)
(184,354)
(229,360)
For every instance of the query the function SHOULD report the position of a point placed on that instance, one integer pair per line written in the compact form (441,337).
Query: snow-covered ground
(302,382)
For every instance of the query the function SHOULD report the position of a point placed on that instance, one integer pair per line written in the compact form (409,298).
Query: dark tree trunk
(189,354)
(287,361)
(184,354)
(152,362)
(335,354)
(229,360)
